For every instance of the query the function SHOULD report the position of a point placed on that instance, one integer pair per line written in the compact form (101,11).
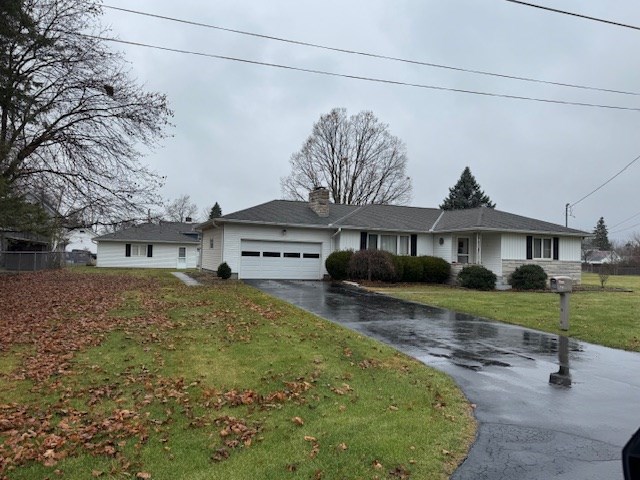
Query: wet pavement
(529,428)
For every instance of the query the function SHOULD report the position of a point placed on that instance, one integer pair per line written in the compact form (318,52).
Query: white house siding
(212,257)
(445,250)
(165,255)
(235,233)
(491,252)
(349,240)
(514,254)
(425,245)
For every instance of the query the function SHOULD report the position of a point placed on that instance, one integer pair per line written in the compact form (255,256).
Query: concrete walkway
(186,279)
(528,428)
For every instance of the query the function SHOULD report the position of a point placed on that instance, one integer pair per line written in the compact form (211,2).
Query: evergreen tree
(601,239)
(466,194)
(216,211)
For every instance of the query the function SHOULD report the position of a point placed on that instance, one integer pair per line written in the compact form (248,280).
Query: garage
(280,260)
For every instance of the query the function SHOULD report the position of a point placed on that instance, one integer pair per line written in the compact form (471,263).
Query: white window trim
(533,248)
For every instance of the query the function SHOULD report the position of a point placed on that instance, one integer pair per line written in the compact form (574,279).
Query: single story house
(150,245)
(284,239)
(600,257)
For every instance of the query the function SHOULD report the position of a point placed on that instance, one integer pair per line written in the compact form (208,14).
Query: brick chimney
(319,201)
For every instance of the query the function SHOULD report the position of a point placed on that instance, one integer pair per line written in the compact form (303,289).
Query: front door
(182,257)
(463,250)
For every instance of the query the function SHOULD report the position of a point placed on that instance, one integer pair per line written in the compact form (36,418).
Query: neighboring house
(150,245)
(80,239)
(599,257)
(291,239)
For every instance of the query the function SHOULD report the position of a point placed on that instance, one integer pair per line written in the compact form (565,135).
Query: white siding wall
(349,240)
(212,257)
(234,233)
(491,251)
(425,244)
(445,250)
(514,246)
(112,254)
(570,249)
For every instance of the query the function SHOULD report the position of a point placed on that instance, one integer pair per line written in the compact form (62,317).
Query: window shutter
(127,250)
(363,240)
(556,248)
(149,250)
(414,245)
(529,247)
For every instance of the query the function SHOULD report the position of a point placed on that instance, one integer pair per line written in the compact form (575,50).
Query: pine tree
(601,239)
(216,211)
(466,194)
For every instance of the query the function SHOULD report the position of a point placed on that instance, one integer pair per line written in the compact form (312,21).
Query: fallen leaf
(297,421)
(143,475)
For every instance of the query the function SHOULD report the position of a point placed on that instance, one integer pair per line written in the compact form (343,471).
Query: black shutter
(556,248)
(529,247)
(363,240)
(149,250)
(127,250)
(414,245)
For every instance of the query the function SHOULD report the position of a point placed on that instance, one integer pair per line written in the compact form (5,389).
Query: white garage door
(283,260)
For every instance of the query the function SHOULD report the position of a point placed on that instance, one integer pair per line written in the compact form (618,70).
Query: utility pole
(566,215)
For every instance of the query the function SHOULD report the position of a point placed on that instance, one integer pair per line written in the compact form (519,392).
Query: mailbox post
(563,286)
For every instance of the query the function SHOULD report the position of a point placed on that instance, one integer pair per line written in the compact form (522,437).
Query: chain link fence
(31,261)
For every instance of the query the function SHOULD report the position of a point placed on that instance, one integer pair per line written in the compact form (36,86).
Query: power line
(372,55)
(626,228)
(605,183)
(626,220)
(573,14)
(367,79)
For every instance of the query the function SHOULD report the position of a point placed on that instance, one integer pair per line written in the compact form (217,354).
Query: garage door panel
(280,260)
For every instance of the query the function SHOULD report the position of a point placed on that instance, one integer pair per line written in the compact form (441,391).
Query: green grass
(608,317)
(180,356)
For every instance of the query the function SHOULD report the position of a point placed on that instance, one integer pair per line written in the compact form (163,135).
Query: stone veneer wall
(552,269)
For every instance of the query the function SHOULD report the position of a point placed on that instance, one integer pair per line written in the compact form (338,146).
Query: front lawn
(610,317)
(130,374)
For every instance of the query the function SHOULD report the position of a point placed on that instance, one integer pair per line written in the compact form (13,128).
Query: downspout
(333,246)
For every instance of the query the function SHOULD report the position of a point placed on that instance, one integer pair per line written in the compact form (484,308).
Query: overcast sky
(236,125)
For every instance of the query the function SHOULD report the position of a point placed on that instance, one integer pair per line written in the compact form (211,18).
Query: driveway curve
(529,428)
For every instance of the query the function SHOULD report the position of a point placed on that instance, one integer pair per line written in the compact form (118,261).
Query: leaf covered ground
(130,374)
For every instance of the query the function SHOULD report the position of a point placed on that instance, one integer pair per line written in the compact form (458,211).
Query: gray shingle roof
(168,232)
(394,218)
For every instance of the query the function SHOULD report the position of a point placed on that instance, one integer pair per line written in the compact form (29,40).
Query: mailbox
(561,284)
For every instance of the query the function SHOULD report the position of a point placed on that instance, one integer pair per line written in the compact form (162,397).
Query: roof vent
(188,219)
(319,201)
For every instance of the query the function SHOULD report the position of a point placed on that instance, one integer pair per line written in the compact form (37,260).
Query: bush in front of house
(435,269)
(412,268)
(477,277)
(224,271)
(528,277)
(372,265)
(337,264)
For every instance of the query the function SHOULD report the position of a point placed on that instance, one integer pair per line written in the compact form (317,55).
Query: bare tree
(72,119)
(355,157)
(179,209)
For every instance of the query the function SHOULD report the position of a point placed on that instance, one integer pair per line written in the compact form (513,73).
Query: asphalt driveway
(528,427)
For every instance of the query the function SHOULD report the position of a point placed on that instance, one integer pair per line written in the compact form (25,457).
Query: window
(311,255)
(211,242)
(271,254)
(373,242)
(463,250)
(248,253)
(389,243)
(291,255)
(182,252)
(134,250)
(542,248)
(403,245)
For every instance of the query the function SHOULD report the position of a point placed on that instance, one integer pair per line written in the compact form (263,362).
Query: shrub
(435,269)
(398,265)
(337,264)
(528,277)
(477,277)
(224,271)
(372,265)
(412,269)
